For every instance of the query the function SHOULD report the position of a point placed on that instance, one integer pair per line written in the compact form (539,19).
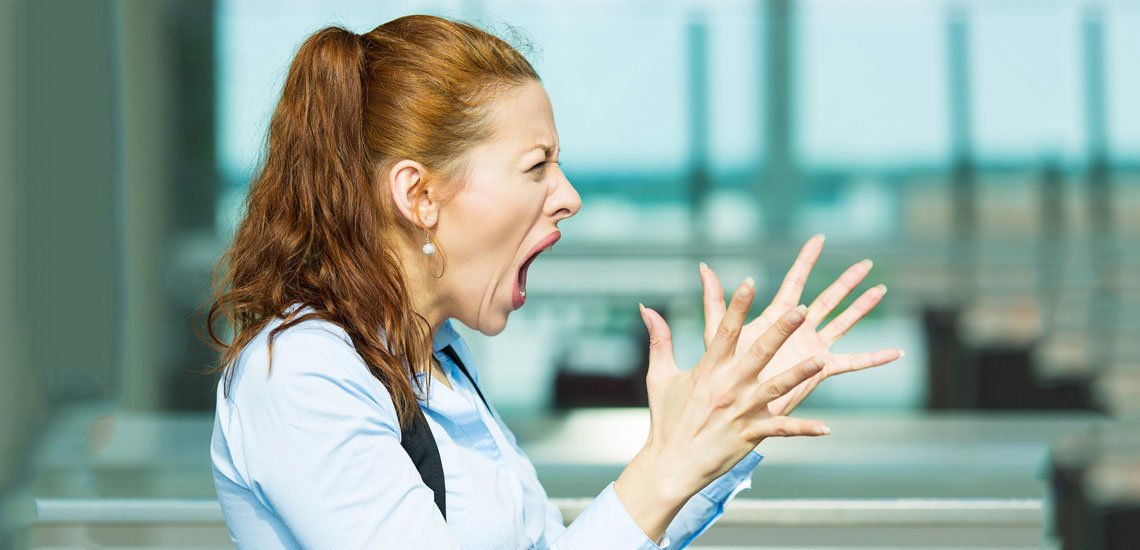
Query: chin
(494,326)
(488,325)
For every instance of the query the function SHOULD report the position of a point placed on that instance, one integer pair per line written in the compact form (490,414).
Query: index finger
(792,288)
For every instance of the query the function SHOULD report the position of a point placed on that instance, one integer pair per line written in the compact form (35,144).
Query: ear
(407,181)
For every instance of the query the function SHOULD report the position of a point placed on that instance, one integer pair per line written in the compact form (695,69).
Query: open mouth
(519,295)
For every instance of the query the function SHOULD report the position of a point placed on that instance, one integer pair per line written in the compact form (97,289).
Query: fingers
(793,286)
(862,306)
(840,364)
(858,361)
(764,348)
(723,344)
(713,301)
(661,359)
(786,426)
(800,393)
(838,291)
(786,381)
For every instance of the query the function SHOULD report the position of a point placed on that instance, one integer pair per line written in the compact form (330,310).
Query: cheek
(503,221)
(490,229)
(488,236)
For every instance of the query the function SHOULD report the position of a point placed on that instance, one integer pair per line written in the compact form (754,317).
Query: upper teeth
(522,293)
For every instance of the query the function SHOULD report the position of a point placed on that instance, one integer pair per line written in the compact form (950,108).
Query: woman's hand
(809,340)
(706,419)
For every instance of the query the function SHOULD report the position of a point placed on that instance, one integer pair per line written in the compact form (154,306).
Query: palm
(810,339)
(804,343)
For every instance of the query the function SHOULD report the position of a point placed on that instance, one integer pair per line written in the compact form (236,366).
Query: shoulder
(308,366)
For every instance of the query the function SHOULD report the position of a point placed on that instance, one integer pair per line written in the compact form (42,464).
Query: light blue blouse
(309,456)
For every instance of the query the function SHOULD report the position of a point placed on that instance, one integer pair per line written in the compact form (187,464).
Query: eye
(542,165)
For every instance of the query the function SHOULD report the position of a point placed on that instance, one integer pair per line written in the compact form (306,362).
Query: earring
(428,247)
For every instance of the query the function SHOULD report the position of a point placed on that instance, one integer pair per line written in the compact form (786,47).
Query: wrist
(653,490)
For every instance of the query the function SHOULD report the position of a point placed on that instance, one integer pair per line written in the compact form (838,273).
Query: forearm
(653,492)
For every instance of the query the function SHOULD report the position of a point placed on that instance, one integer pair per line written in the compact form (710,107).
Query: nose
(563,201)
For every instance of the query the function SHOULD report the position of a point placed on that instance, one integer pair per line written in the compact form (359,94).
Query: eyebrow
(545,148)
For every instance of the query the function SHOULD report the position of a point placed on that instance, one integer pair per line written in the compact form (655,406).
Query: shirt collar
(445,336)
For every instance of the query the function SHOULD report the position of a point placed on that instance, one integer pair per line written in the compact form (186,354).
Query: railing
(746,523)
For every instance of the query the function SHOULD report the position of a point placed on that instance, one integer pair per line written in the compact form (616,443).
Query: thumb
(661,360)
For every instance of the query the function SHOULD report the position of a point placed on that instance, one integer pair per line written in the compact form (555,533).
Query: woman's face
(507,212)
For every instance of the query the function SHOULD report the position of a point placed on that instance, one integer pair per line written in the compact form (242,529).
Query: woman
(411,178)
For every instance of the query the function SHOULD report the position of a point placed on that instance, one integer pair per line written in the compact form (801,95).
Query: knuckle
(720,398)
(760,351)
(726,330)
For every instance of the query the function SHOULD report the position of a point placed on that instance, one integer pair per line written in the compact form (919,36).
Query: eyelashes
(543,164)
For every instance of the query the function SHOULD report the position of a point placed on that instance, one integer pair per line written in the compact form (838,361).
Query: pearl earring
(428,247)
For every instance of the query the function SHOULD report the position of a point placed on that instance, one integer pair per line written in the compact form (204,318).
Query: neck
(426,291)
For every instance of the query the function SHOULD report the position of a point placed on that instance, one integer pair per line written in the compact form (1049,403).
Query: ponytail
(310,233)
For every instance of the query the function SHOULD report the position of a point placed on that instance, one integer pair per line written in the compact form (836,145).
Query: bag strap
(420,445)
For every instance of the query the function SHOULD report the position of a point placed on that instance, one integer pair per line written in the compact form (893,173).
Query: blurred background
(985,154)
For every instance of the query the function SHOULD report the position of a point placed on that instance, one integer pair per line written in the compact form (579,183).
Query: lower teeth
(522,293)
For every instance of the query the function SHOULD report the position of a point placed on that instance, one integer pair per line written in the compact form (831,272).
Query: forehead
(523,118)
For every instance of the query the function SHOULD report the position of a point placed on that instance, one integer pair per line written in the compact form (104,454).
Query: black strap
(459,363)
(420,445)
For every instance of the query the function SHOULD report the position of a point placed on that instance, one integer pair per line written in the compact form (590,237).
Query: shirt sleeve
(704,508)
(605,522)
(320,445)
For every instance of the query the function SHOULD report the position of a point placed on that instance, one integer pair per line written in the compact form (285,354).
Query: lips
(518,295)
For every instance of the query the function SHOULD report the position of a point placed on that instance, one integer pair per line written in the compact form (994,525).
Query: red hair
(321,229)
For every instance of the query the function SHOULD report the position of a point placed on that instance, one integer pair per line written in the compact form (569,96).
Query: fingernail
(902,354)
(824,430)
(644,317)
(703,266)
(868,262)
(801,311)
(820,236)
(882,288)
(818,364)
(749,282)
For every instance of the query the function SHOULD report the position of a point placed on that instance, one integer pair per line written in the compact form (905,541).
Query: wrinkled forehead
(523,121)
